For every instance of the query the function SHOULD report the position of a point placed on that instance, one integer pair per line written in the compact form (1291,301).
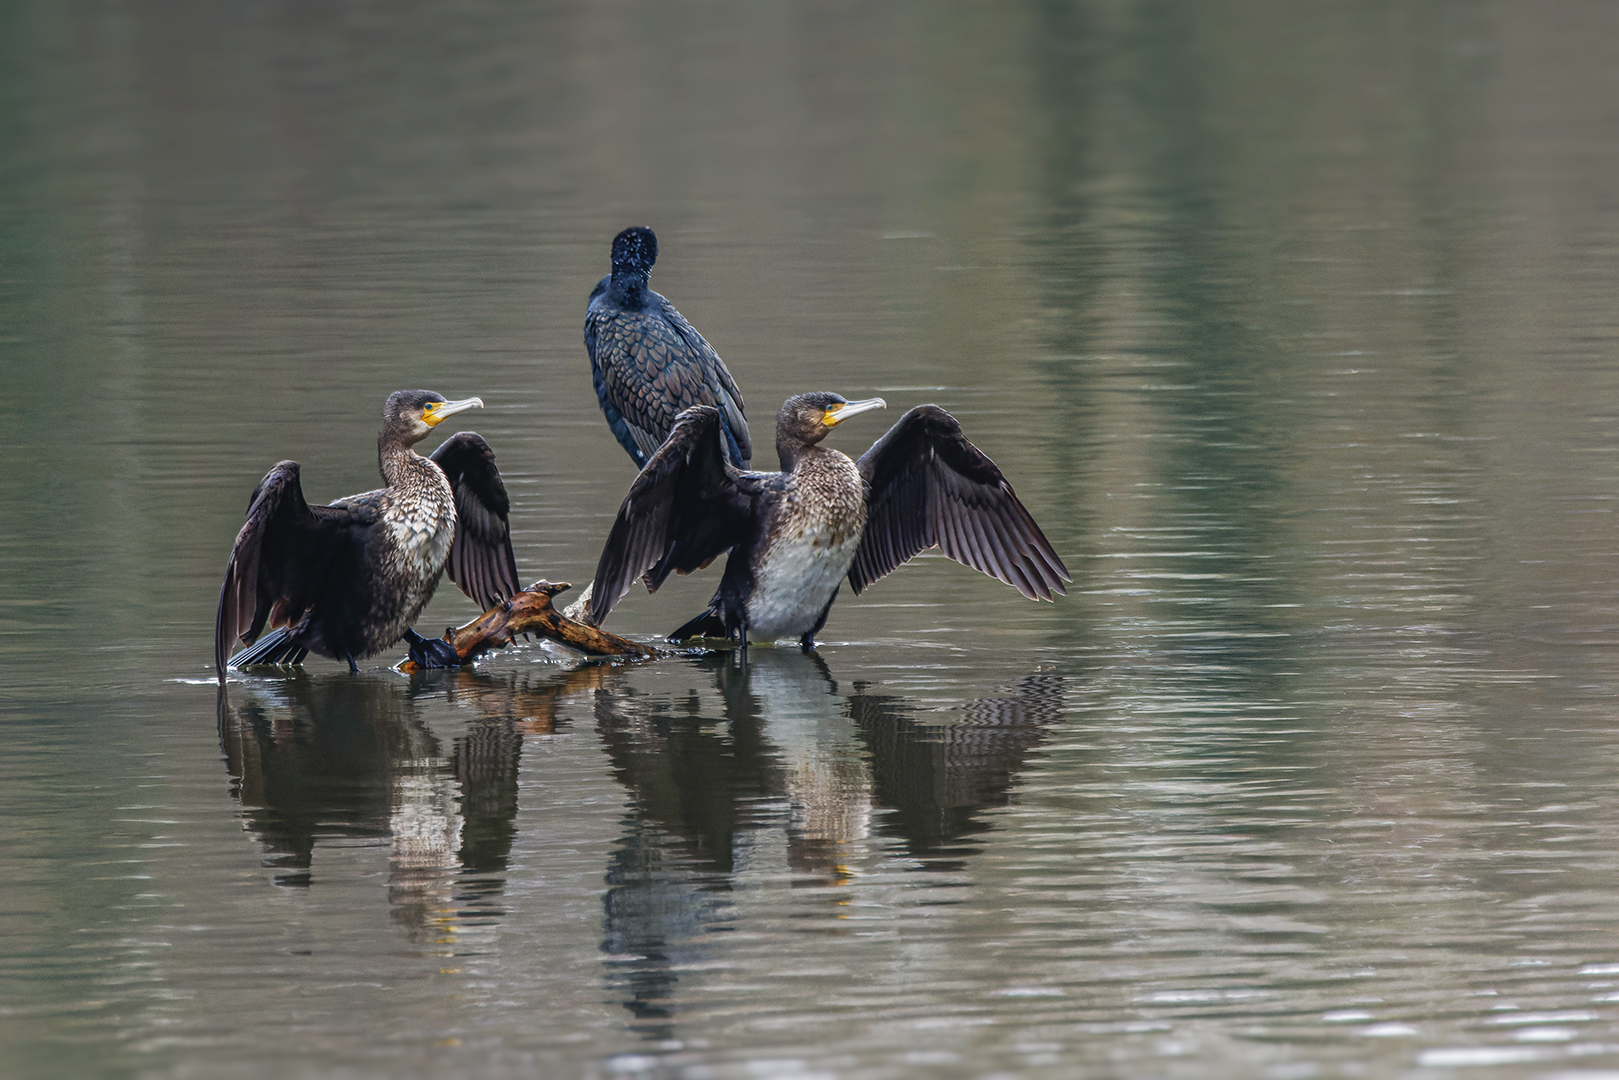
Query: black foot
(431,652)
(807,643)
(354,669)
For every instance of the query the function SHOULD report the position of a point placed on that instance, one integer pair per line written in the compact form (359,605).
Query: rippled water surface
(1294,326)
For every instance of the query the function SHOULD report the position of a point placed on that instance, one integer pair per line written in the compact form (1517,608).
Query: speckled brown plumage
(346,580)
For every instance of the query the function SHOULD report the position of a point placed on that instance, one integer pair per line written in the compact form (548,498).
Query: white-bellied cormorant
(347,580)
(795,534)
(648,362)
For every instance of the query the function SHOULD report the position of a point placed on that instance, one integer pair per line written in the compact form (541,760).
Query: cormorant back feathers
(647,362)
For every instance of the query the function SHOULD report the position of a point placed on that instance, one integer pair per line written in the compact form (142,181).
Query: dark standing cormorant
(795,534)
(347,580)
(648,362)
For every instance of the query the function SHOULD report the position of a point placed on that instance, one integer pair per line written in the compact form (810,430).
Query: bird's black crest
(635,249)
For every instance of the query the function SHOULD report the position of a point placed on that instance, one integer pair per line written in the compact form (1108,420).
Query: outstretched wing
(688,506)
(928,485)
(481,559)
(649,365)
(283,556)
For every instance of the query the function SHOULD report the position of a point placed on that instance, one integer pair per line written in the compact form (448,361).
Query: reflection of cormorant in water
(708,785)
(708,798)
(317,760)
(705,796)
(937,777)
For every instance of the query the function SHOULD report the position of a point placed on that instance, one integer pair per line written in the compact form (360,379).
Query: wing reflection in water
(743,768)
(936,778)
(333,760)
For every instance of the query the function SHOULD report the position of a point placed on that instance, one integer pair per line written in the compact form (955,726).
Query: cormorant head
(410,414)
(635,250)
(806,418)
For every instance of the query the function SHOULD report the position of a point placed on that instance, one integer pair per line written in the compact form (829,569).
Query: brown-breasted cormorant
(648,362)
(795,534)
(347,580)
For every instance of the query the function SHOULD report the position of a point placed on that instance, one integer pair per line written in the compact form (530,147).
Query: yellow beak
(837,414)
(440,411)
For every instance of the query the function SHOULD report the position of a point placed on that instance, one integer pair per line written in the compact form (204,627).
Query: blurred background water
(1293,324)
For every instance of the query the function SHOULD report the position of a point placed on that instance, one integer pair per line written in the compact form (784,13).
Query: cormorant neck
(792,450)
(395,460)
(629,287)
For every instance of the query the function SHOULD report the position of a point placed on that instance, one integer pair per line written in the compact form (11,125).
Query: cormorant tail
(276,647)
(709,624)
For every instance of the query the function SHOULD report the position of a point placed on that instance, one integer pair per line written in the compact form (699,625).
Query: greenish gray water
(1294,325)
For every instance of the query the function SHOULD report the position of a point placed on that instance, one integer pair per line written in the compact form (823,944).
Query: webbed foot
(431,653)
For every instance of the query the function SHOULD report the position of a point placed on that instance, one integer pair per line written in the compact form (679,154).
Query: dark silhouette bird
(795,534)
(347,580)
(648,362)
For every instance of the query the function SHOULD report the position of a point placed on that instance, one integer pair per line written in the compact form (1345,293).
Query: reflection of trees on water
(769,755)
(316,761)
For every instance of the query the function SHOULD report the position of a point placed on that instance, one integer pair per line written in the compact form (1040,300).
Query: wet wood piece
(531,612)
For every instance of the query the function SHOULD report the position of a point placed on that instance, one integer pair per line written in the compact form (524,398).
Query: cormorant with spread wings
(795,534)
(347,580)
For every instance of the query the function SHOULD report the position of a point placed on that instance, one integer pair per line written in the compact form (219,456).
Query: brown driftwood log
(530,612)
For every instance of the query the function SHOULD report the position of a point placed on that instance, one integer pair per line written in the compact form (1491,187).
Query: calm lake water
(1293,324)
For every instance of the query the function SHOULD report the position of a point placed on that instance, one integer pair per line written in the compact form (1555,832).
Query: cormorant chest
(808,547)
(418,526)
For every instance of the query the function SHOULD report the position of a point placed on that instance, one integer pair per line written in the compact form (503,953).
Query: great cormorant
(648,362)
(795,534)
(347,580)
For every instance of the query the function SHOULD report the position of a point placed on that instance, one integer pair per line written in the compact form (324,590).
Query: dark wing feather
(481,559)
(688,506)
(281,559)
(928,485)
(647,366)
(717,378)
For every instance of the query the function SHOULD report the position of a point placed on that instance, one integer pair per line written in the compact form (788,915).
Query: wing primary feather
(1003,549)
(961,550)
(1037,579)
(1015,572)
(226,617)
(278,515)
(990,553)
